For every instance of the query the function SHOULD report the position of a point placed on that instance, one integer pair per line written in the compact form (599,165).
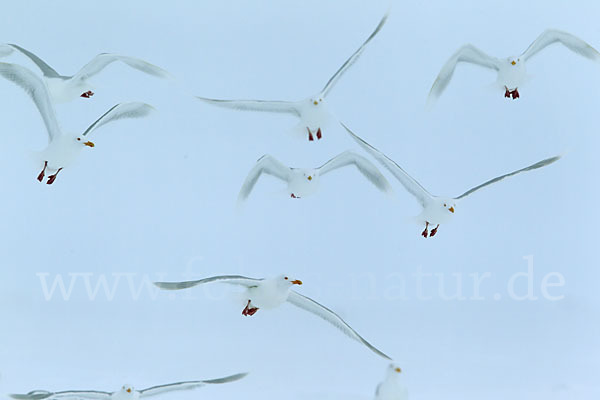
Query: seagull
(511,71)
(304,181)
(67,88)
(271,293)
(436,209)
(63,148)
(313,111)
(127,392)
(391,388)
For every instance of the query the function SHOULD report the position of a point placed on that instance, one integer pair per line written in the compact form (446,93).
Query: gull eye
(286,278)
(444,204)
(78,138)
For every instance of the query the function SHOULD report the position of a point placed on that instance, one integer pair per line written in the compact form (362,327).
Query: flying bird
(305,181)
(127,392)
(271,293)
(64,88)
(313,111)
(63,148)
(391,388)
(511,70)
(436,209)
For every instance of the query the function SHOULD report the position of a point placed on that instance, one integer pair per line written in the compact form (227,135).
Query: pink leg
(249,311)
(41,175)
(434,231)
(425,233)
(87,94)
(507,93)
(52,178)
(515,94)
(319,134)
(310,136)
(293,196)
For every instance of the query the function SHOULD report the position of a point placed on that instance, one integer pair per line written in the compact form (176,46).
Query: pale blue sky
(156,198)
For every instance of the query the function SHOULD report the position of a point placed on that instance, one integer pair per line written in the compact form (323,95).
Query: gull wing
(68,394)
(47,70)
(571,42)
(121,111)
(350,61)
(537,165)
(325,313)
(467,53)
(272,106)
(102,60)
(265,165)
(363,165)
(187,385)
(231,279)
(410,184)
(36,89)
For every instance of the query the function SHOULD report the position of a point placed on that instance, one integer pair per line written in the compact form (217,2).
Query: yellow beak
(315,102)
(451,209)
(128,390)
(398,370)
(90,144)
(514,62)
(296,282)
(309,178)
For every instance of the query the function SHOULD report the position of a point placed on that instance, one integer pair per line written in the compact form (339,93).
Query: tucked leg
(310,135)
(87,94)
(425,233)
(249,311)
(434,231)
(52,178)
(41,175)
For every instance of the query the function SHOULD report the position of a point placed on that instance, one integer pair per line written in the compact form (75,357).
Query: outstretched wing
(121,111)
(187,385)
(265,165)
(362,164)
(275,106)
(325,313)
(47,70)
(537,165)
(573,43)
(68,394)
(231,279)
(411,185)
(99,62)
(467,53)
(36,89)
(338,74)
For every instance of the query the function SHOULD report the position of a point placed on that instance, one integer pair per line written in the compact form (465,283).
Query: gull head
(83,141)
(449,206)
(316,101)
(394,370)
(287,281)
(127,390)
(514,61)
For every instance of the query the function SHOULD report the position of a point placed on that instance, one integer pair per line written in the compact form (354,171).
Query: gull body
(271,293)
(313,112)
(391,388)
(511,71)
(63,148)
(302,182)
(65,88)
(436,210)
(127,392)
